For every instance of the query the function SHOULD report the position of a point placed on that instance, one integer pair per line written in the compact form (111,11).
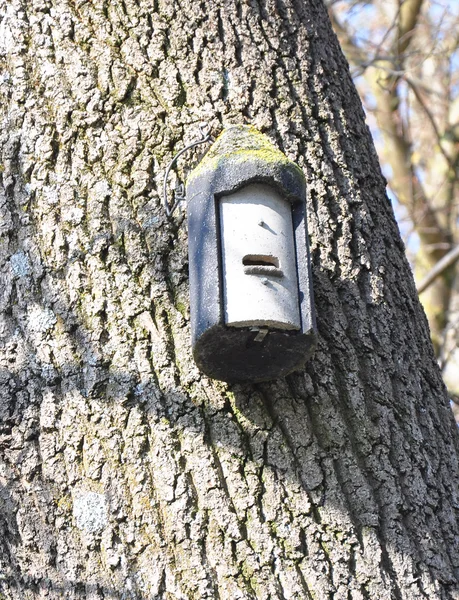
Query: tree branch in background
(383,82)
(430,116)
(407,59)
(408,17)
(447,261)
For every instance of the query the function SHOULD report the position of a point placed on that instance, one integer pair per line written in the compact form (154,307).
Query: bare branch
(447,261)
(431,119)
(408,17)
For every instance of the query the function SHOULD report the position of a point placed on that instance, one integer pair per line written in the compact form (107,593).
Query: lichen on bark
(339,481)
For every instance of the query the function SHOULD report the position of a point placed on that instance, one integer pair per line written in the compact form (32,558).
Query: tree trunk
(124,472)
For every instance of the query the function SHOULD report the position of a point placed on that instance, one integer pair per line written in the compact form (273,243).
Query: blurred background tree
(404,57)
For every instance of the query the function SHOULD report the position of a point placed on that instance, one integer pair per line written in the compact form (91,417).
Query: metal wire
(179,195)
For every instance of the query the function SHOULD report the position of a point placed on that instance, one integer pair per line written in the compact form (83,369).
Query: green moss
(240,143)
(182,308)
(325,548)
(65,503)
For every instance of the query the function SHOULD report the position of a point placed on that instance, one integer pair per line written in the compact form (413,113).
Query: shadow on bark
(320,446)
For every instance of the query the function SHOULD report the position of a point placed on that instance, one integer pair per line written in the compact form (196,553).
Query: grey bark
(124,473)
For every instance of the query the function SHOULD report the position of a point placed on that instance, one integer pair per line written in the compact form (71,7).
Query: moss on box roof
(242,143)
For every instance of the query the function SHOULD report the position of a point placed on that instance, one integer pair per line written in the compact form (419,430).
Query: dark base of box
(233,355)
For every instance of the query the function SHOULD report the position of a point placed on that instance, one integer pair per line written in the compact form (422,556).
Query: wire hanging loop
(179,193)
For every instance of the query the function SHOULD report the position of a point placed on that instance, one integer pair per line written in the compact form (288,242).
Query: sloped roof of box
(242,155)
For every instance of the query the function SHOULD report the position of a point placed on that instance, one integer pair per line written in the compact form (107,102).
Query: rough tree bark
(125,473)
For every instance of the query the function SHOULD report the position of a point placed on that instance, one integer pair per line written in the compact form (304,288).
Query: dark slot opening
(262,264)
(260,260)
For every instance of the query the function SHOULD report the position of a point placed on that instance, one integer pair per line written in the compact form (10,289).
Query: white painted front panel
(256,229)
